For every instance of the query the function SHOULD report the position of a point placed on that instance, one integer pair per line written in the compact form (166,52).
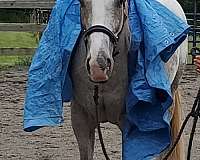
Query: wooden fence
(194,35)
(33,26)
(17,51)
(24,4)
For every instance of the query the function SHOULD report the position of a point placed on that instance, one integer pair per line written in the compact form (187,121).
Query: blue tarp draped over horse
(156,33)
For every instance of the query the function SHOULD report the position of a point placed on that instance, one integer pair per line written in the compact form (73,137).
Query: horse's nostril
(108,63)
(88,65)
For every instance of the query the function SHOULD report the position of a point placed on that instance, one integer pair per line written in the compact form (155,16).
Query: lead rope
(195,113)
(96,101)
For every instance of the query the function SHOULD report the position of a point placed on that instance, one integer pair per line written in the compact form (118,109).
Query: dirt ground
(59,143)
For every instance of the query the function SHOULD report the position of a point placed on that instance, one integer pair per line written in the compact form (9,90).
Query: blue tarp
(156,33)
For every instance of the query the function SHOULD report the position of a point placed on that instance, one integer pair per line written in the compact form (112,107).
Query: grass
(17,39)
(7,61)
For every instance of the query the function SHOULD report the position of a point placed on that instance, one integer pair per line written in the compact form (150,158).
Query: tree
(188,5)
(14,15)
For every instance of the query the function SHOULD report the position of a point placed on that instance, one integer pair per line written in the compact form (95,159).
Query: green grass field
(8,60)
(16,40)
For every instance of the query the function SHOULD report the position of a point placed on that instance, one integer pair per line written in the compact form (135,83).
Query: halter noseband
(103,29)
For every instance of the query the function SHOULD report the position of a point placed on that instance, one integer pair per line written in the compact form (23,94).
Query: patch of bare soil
(59,143)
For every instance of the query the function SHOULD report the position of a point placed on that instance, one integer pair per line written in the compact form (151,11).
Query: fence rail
(27,4)
(22,27)
(17,51)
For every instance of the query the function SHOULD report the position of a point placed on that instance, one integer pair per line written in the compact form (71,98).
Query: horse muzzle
(100,69)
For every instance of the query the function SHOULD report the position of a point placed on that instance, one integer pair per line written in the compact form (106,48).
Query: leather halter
(114,37)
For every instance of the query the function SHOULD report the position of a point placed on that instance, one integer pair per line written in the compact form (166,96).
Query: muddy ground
(58,143)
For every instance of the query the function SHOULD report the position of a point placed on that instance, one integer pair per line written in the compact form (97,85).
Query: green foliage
(14,15)
(188,5)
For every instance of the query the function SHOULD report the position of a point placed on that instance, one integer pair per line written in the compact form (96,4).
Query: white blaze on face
(102,11)
(99,60)
(102,14)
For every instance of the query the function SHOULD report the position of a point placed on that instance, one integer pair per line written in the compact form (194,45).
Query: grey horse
(96,62)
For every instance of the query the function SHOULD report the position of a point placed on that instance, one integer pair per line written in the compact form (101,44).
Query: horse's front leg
(84,129)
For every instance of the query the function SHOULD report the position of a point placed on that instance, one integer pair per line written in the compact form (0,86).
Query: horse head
(102,21)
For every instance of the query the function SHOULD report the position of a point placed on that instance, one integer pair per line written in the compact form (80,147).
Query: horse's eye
(118,3)
(82,3)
